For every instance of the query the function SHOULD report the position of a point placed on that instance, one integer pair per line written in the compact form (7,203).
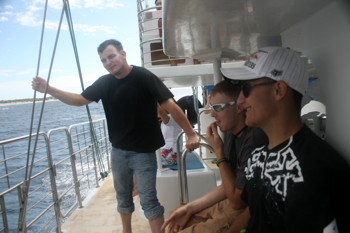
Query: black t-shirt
(239,149)
(187,103)
(299,186)
(130,105)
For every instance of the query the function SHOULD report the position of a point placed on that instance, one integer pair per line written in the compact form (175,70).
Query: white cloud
(6,7)
(27,72)
(111,30)
(72,82)
(3,18)
(27,19)
(54,25)
(4,15)
(31,18)
(96,4)
(113,4)
(95,28)
(22,90)
(6,73)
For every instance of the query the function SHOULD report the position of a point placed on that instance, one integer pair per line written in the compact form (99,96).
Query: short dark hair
(227,88)
(104,44)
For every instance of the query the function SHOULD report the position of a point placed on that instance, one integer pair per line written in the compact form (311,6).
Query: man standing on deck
(129,96)
(213,212)
(297,182)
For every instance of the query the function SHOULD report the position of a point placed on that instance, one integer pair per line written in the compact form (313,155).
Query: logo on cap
(250,64)
(275,73)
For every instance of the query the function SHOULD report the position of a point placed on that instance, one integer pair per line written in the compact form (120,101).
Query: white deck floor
(100,214)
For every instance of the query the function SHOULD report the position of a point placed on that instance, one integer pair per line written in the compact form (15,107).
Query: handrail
(199,120)
(183,175)
(62,174)
(199,125)
(182,167)
(149,27)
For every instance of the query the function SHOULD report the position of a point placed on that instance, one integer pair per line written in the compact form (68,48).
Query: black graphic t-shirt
(299,186)
(239,149)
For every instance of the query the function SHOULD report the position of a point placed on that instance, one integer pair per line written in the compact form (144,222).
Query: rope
(29,168)
(102,169)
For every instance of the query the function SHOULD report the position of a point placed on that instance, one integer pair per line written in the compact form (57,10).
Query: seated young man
(296,182)
(214,212)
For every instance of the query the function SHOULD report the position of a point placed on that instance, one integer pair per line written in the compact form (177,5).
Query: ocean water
(15,119)
(15,122)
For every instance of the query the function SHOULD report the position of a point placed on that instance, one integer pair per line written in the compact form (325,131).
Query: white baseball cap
(276,63)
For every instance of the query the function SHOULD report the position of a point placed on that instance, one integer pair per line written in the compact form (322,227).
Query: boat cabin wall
(325,38)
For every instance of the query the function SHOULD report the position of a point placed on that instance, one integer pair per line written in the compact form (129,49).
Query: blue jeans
(126,164)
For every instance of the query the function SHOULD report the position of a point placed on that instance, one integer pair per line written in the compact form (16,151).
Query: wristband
(220,161)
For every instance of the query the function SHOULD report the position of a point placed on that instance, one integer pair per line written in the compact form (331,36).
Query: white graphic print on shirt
(278,168)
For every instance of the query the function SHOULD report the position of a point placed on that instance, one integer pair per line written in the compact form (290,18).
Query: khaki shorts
(215,219)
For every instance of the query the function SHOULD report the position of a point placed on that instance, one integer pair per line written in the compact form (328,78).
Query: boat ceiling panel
(190,75)
(207,29)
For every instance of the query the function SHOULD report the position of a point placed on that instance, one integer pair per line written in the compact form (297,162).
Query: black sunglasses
(246,86)
(220,107)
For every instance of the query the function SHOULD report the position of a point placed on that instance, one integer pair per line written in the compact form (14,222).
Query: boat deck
(99,214)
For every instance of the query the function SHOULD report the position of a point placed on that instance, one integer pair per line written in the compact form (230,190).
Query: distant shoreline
(24,102)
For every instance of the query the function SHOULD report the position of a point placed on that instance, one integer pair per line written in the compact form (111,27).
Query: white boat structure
(217,34)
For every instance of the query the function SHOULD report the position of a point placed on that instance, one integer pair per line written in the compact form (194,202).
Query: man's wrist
(189,209)
(219,152)
(219,161)
(191,134)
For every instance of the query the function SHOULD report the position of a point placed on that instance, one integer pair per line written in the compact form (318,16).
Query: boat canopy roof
(207,29)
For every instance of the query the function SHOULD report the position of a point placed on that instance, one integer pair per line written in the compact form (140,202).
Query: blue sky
(94,21)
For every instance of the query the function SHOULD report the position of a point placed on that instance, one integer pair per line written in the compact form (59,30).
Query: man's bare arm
(39,84)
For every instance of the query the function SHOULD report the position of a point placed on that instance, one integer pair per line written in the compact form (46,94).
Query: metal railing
(182,171)
(65,169)
(148,26)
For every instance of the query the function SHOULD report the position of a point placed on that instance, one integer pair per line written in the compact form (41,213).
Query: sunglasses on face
(220,107)
(246,86)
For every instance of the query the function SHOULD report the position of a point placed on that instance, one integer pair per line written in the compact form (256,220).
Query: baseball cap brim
(239,74)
